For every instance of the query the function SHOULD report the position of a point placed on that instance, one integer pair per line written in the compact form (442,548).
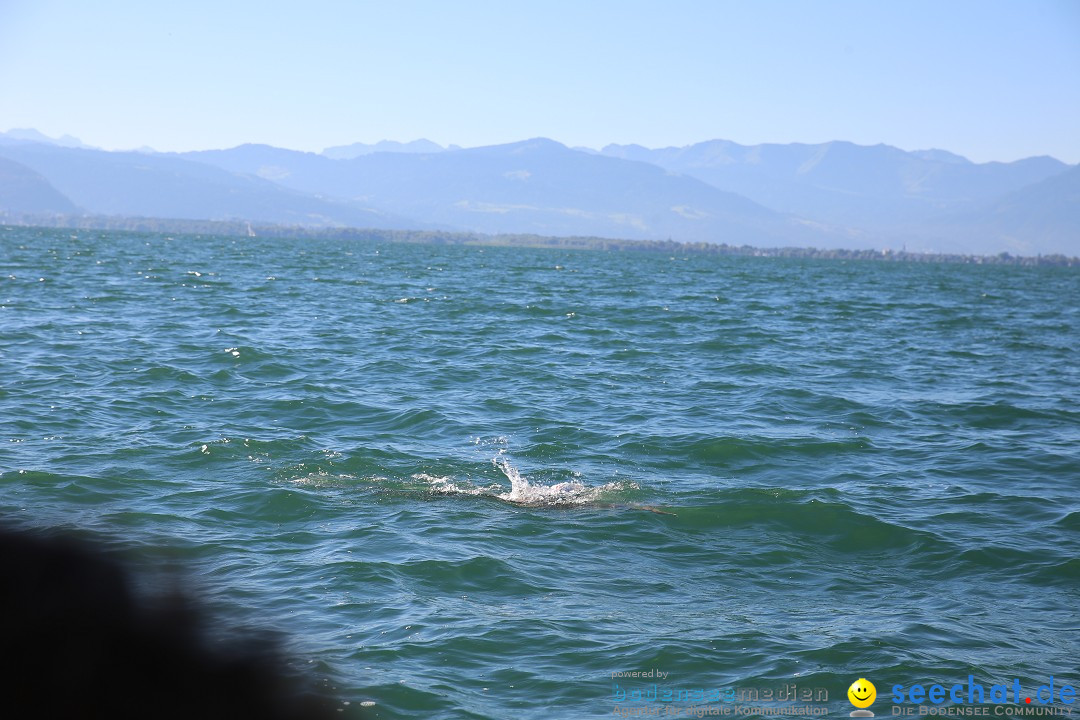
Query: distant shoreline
(443,237)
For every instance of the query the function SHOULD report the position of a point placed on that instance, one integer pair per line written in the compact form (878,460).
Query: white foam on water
(321,478)
(446,486)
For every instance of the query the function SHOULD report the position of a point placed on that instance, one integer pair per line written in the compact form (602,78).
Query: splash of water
(524,492)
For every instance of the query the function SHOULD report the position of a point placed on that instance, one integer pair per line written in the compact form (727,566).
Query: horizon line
(593,243)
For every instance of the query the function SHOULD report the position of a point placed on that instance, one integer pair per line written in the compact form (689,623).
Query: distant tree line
(439,237)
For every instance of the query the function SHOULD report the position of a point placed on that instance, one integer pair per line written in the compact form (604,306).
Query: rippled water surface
(475,482)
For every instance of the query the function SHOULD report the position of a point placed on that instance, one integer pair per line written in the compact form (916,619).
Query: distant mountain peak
(34,136)
(941,156)
(536,144)
(615,148)
(348,152)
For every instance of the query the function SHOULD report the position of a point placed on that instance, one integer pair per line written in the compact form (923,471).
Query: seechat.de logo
(862,694)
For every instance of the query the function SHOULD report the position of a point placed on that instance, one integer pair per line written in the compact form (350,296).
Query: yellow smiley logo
(862,693)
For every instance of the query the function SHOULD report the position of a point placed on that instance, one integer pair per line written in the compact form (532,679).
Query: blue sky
(990,80)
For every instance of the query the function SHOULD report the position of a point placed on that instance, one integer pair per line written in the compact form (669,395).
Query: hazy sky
(990,80)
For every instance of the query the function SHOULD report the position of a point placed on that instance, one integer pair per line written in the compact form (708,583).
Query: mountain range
(828,195)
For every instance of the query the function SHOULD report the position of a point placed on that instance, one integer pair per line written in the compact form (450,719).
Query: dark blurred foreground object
(79,642)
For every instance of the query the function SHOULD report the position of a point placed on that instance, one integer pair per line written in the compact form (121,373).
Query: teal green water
(432,467)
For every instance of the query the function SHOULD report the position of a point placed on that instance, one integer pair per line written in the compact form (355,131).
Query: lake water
(477,482)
